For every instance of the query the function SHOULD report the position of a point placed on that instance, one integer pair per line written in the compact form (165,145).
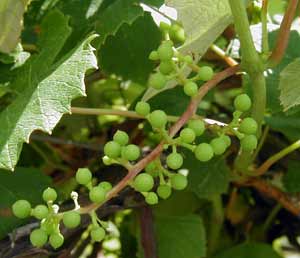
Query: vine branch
(190,111)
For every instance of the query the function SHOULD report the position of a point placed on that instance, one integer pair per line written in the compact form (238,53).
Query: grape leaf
(207,178)
(126,53)
(11,17)
(25,183)
(180,236)
(289,85)
(38,105)
(249,250)
(116,14)
(291,180)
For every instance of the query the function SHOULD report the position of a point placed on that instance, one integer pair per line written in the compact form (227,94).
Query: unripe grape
(157,81)
(56,240)
(164,26)
(166,67)
(158,119)
(48,226)
(242,103)
(219,145)
(49,195)
(179,182)
(151,198)
(174,160)
(204,152)
(187,135)
(151,169)
(97,194)
(190,88)
(40,211)
(97,234)
(188,59)
(71,219)
(154,56)
(197,126)
(143,182)
(248,126)
(177,33)
(164,191)
(142,108)
(249,143)
(105,185)
(131,152)
(21,209)
(83,176)
(205,73)
(112,149)
(165,51)
(38,238)
(121,137)
(226,139)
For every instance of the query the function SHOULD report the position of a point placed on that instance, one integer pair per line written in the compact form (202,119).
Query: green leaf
(25,183)
(291,180)
(207,178)
(249,250)
(11,17)
(203,22)
(116,14)
(38,106)
(290,85)
(180,236)
(126,53)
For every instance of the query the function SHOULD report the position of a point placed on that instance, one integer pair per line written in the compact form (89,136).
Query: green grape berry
(164,191)
(188,59)
(219,145)
(164,26)
(142,108)
(242,103)
(105,185)
(205,73)
(165,51)
(49,195)
(97,234)
(48,226)
(158,119)
(97,194)
(83,176)
(56,240)
(174,161)
(187,135)
(226,139)
(151,169)
(197,126)
(21,209)
(38,238)
(121,137)
(131,152)
(249,143)
(153,56)
(157,81)
(166,67)
(179,182)
(151,198)
(204,152)
(40,211)
(177,34)
(143,182)
(71,219)
(112,149)
(190,88)
(248,126)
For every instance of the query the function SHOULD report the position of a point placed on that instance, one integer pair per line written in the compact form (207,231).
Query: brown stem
(274,193)
(284,33)
(190,111)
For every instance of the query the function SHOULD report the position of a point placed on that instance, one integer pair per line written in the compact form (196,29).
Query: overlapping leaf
(45,88)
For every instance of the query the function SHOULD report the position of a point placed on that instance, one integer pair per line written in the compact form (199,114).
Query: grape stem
(189,113)
(264,22)
(273,159)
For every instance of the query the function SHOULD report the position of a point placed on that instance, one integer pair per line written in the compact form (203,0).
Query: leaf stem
(273,159)
(264,22)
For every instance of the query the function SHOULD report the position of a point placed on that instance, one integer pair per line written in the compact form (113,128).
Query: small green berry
(204,152)
(154,56)
(164,26)
(219,145)
(164,191)
(249,143)
(197,126)
(131,152)
(112,149)
(158,119)
(151,198)
(21,209)
(190,88)
(157,81)
(165,51)
(97,194)
(187,135)
(49,195)
(71,219)
(97,234)
(166,67)
(248,126)
(121,137)
(179,182)
(38,238)
(177,33)
(56,240)
(83,176)
(142,108)
(143,182)
(105,185)
(174,161)
(242,103)
(40,211)
(205,73)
